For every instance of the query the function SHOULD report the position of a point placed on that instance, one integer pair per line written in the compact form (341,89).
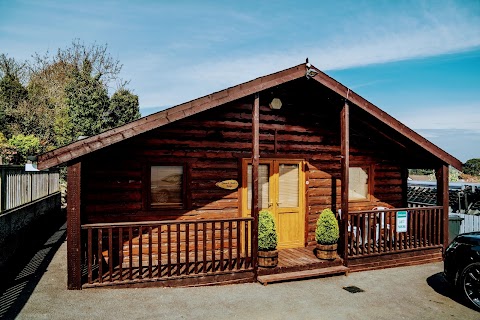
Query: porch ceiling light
(275,104)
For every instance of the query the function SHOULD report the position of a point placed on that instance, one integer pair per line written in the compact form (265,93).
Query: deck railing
(163,250)
(373,232)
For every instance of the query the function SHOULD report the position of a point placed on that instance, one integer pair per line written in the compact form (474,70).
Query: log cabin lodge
(147,206)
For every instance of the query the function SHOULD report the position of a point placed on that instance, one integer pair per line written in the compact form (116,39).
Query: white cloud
(464,117)
(431,33)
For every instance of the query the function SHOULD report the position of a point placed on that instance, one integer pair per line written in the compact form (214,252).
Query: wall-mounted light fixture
(275,104)
(311,73)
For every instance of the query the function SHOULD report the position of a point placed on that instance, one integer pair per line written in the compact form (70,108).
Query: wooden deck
(296,260)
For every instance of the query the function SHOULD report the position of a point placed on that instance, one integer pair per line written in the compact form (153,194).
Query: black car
(462,266)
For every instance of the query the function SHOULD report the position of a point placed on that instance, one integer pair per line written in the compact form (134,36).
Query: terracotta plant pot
(267,259)
(326,251)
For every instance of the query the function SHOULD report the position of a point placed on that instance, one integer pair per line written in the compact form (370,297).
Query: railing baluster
(239,249)
(429,222)
(351,235)
(390,231)
(204,234)
(415,227)
(140,252)
(150,252)
(110,254)
(401,240)
(159,250)
(100,259)
(424,228)
(387,226)
(89,255)
(130,253)
(433,222)
(360,237)
(439,224)
(195,224)
(187,248)
(369,228)
(222,238)
(410,224)
(169,250)
(246,263)
(120,252)
(178,226)
(213,247)
(230,244)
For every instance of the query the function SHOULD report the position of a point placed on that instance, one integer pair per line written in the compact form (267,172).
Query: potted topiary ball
(267,240)
(327,234)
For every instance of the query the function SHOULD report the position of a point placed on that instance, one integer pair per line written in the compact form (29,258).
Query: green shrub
(267,234)
(327,231)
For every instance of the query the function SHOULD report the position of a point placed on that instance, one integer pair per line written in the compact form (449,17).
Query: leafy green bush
(267,234)
(25,146)
(327,231)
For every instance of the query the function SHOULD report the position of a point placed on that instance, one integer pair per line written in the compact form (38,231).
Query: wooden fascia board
(107,138)
(387,119)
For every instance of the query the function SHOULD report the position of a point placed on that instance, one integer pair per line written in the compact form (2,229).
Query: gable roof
(112,136)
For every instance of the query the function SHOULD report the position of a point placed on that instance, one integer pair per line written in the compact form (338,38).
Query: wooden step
(302,274)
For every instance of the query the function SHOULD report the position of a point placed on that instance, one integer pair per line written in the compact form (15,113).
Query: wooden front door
(281,190)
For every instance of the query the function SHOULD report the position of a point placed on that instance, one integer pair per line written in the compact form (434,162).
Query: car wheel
(470,283)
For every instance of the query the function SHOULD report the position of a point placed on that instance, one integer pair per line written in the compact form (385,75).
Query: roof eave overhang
(80,148)
(107,138)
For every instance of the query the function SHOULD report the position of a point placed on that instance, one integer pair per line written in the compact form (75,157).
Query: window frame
(370,181)
(148,186)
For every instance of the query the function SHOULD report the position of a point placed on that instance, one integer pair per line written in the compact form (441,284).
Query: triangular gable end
(156,120)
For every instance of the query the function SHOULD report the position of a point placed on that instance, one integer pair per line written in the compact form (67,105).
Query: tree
(25,145)
(123,108)
(53,83)
(12,93)
(13,68)
(472,167)
(8,153)
(87,102)
(66,59)
(58,97)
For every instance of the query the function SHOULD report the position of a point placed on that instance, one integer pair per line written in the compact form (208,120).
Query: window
(263,186)
(358,183)
(166,186)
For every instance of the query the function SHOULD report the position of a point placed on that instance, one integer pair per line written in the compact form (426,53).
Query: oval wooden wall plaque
(227,184)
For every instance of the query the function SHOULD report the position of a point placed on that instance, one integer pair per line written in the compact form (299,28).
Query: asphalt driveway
(38,291)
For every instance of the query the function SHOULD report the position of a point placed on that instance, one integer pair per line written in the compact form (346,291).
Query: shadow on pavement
(26,268)
(438,283)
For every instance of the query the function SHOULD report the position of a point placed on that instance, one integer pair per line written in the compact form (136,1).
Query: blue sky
(417,60)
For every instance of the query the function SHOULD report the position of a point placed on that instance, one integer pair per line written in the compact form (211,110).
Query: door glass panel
(288,185)
(263,187)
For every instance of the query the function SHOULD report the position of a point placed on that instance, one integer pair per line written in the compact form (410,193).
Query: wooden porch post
(442,200)
(255,162)
(345,164)
(73,226)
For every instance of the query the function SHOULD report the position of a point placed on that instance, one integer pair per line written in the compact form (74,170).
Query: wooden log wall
(211,145)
